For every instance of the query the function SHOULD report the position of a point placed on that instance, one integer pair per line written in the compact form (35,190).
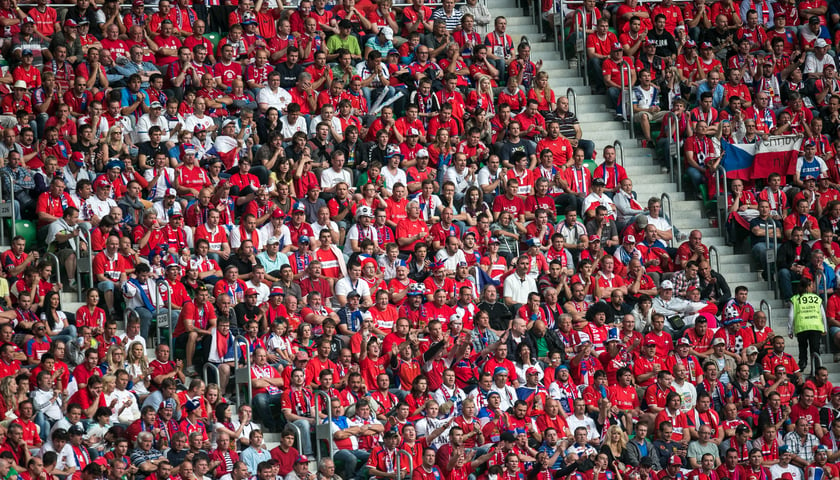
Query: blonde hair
(617,448)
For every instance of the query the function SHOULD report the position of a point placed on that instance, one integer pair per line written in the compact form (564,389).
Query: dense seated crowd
(389,210)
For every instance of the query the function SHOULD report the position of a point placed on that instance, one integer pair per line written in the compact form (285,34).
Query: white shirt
(518,289)
(353,234)
(587,422)
(330,178)
(660,223)
(100,208)
(141,132)
(279,99)
(776,471)
(262,291)
(450,262)
(393,178)
(345,286)
(158,189)
(335,123)
(688,395)
(459,179)
(288,129)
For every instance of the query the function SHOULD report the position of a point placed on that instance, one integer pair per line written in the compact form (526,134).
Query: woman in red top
(417,397)
(543,94)
(90,314)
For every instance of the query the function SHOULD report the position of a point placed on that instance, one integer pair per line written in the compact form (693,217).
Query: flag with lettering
(777,153)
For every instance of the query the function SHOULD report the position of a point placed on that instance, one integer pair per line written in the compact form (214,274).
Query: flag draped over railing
(748,161)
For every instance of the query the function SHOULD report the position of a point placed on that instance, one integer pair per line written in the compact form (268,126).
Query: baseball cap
(248,19)
(616,46)
(415,290)
(78,158)
(412,132)
(276,292)
(814,20)
(102,181)
(76,430)
(667,285)
(364,211)
(691,44)
(533,242)
(26,51)
(629,239)
(718,341)
(170,192)
(675,460)
(684,341)
(298,207)
(155,104)
(599,182)
(301,355)
(835,391)
(191,405)
(705,45)
(650,342)
(422,153)
(138,3)
(389,34)
(532,371)
(199,129)
(70,23)
(500,371)
(251,291)
(594,238)
(354,294)
(277,213)
(20,84)
(168,403)
(301,459)
(751,350)
(303,239)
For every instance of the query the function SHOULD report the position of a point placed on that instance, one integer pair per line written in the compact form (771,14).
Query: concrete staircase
(686,213)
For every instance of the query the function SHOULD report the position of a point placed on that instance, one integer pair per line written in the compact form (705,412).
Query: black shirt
(289,75)
(665,44)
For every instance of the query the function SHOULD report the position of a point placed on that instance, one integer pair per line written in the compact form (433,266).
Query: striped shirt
(453,22)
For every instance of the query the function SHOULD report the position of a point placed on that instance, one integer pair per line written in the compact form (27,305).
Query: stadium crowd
(392,207)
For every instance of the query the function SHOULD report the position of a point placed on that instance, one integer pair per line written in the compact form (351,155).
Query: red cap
(70,23)
(101,181)
(250,291)
(277,213)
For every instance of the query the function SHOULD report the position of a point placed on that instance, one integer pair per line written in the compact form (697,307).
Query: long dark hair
(47,311)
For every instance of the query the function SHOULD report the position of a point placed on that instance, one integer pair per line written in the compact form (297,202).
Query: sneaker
(191,371)
(664,169)
(836,357)
(618,117)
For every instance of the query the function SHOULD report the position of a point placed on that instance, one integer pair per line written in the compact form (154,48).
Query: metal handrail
(673,147)
(667,213)
(619,148)
(822,279)
(329,419)
(722,197)
(572,96)
(3,175)
(163,287)
(626,99)
(80,291)
(559,20)
(57,268)
(207,367)
(770,253)
(816,363)
(299,436)
(713,250)
(765,307)
(410,463)
(236,359)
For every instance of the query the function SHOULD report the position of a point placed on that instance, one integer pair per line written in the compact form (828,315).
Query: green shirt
(807,313)
(350,43)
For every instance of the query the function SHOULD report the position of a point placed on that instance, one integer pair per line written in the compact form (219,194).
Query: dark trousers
(808,339)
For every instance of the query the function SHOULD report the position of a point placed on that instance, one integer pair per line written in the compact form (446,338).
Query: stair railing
(664,200)
(399,454)
(768,311)
(626,96)
(322,433)
(572,96)
(580,44)
(210,367)
(299,437)
(822,281)
(722,187)
(620,149)
(7,209)
(714,256)
(772,243)
(84,235)
(816,363)
(57,267)
(164,320)
(243,376)
(673,148)
(579,32)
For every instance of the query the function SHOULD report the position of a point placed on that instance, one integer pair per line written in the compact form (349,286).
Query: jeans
(696,176)
(262,407)
(615,98)
(305,437)
(350,459)
(759,254)
(595,74)
(785,286)
(66,335)
(146,317)
(43,423)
